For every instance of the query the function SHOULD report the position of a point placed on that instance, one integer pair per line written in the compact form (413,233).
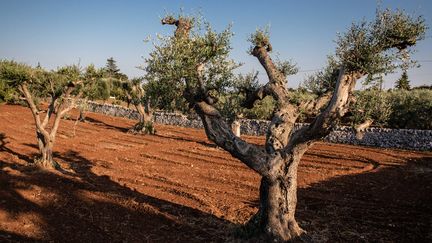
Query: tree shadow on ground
(92,208)
(105,125)
(207,144)
(3,148)
(388,204)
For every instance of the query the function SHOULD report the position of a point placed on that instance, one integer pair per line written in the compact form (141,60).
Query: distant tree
(36,83)
(115,79)
(195,58)
(423,87)
(137,96)
(173,93)
(111,68)
(403,82)
(95,87)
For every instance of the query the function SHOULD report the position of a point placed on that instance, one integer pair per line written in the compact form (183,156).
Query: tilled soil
(177,186)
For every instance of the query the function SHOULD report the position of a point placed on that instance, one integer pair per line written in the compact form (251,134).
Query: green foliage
(411,109)
(324,80)
(263,109)
(287,68)
(41,83)
(260,38)
(230,102)
(111,68)
(113,79)
(102,90)
(371,48)
(371,104)
(174,64)
(14,73)
(403,82)
(116,88)
(172,98)
(8,93)
(95,85)
(394,109)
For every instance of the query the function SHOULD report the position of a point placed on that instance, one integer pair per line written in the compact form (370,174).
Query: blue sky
(60,32)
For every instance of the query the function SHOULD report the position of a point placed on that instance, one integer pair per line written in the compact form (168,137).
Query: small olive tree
(35,84)
(137,96)
(195,59)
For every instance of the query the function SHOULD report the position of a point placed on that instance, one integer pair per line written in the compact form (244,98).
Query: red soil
(177,186)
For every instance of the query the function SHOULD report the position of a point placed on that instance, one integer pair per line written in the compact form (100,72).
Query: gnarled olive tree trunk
(145,120)
(275,218)
(46,137)
(45,145)
(136,95)
(277,162)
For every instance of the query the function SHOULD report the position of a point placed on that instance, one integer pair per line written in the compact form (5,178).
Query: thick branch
(51,110)
(360,128)
(61,111)
(314,106)
(275,76)
(219,132)
(252,96)
(339,102)
(35,111)
(286,114)
(183,25)
(336,108)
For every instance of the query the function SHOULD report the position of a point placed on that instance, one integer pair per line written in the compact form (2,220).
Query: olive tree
(193,58)
(137,96)
(35,84)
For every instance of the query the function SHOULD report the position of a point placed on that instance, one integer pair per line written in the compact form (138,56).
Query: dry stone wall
(377,137)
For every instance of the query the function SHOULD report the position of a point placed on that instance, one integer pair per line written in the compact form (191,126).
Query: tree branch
(254,95)
(51,110)
(183,25)
(35,111)
(219,132)
(336,108)
(275,76)
(314,106)
(62,111)
(360,128)
(286,113)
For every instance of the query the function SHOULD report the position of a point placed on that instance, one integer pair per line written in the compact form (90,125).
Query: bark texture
(277,162)
(145,122)
(45,133)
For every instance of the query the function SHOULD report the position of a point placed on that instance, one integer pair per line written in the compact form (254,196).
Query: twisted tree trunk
(145,121)
(46,138)
(45,158)
(278,161)
(275,219)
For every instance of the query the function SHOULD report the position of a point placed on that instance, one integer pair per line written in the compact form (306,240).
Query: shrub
(411,109)
(8,93)
(395,108)
(372,104)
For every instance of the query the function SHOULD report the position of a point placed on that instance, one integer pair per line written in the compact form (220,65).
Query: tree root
(254,231)
(46,164)
(143,128)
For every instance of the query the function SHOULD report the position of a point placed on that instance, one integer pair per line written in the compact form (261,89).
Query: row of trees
(50,95)
(192,70)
